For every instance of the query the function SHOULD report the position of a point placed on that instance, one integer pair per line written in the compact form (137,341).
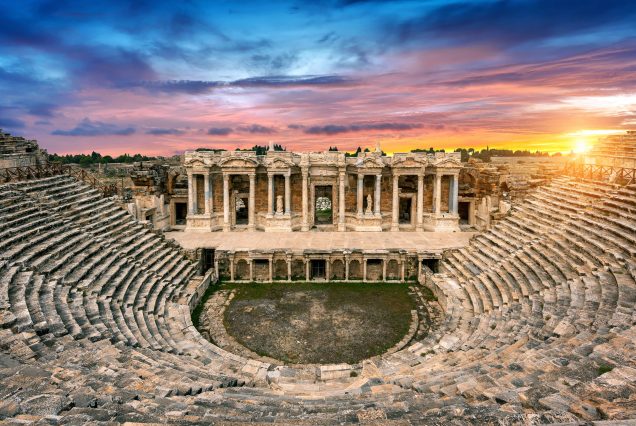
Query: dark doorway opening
(323,206)
(318,269)
(207,259)
(432,264)
(242,214)
(180,213)
(464,211)
(405,210)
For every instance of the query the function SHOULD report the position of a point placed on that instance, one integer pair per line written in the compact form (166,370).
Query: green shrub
(604,368)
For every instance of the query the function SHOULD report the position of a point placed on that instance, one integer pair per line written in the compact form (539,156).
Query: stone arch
(242,270)
(355,270)
(280,269)
(392,270)
(337,270)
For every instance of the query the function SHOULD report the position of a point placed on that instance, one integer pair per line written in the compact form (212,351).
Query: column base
(444,222)
(342,227)
(201,223)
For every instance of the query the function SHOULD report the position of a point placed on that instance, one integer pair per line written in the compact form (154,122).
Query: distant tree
(333,148)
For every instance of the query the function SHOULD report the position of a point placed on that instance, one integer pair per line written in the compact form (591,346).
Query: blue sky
(159,77)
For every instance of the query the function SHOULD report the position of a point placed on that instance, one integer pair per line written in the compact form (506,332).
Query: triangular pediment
(370,162)
(409,162)
(448,162)
(238,162)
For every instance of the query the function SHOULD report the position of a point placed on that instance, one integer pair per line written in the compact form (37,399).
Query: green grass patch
(196,313)
(316,322)
(604,368)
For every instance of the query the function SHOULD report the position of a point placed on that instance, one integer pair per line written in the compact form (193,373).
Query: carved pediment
(193,162)
(279,163)
(409,162)
(238,162)
(370,162)
(448,162)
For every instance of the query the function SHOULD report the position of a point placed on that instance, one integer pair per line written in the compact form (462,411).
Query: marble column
(232,268)
(191,194)
(437,192)
(395,222)
(419,268)
(207,187)
(347,269)
(252,202)
(454,201)
(251,265)
(287,194)
(359,193)
(226,202)
(384,269)
(289,269)
(378,189)
(305,222)
(271,269)
(364,270)
(307,265)
(270,194)
(420,201)
(403,267)
(327,269)
(341,205)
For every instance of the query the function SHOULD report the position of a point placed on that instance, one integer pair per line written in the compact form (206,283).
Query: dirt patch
(311,323)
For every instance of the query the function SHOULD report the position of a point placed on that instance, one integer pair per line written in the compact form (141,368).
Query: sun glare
(581,146)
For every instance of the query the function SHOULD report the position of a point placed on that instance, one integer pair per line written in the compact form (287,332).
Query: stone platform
(261,241)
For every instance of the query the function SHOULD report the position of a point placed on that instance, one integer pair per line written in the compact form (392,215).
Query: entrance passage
(180,213)
(432,264)
(323,211)
(463,210)
(242,217)
(318,270)
(207,259)
(406,205)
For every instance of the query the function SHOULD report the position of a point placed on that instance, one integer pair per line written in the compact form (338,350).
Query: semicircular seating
(538,323)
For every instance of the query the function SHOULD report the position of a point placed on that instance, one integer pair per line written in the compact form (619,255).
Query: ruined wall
(16,151)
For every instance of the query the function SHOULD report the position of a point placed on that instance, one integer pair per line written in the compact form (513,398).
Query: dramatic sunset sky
(148,77)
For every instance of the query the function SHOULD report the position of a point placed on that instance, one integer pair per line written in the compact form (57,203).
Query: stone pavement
(410,241)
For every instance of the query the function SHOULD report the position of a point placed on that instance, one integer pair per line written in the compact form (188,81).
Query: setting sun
(581,146)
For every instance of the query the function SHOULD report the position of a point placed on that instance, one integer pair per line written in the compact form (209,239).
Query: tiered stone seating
(95,316)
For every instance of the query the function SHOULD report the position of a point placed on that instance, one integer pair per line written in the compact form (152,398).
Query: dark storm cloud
(334,129)
(219,131)
(257,128)
(87,127)
(162,132)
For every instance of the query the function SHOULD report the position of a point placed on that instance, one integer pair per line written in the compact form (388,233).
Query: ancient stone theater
(129,304)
